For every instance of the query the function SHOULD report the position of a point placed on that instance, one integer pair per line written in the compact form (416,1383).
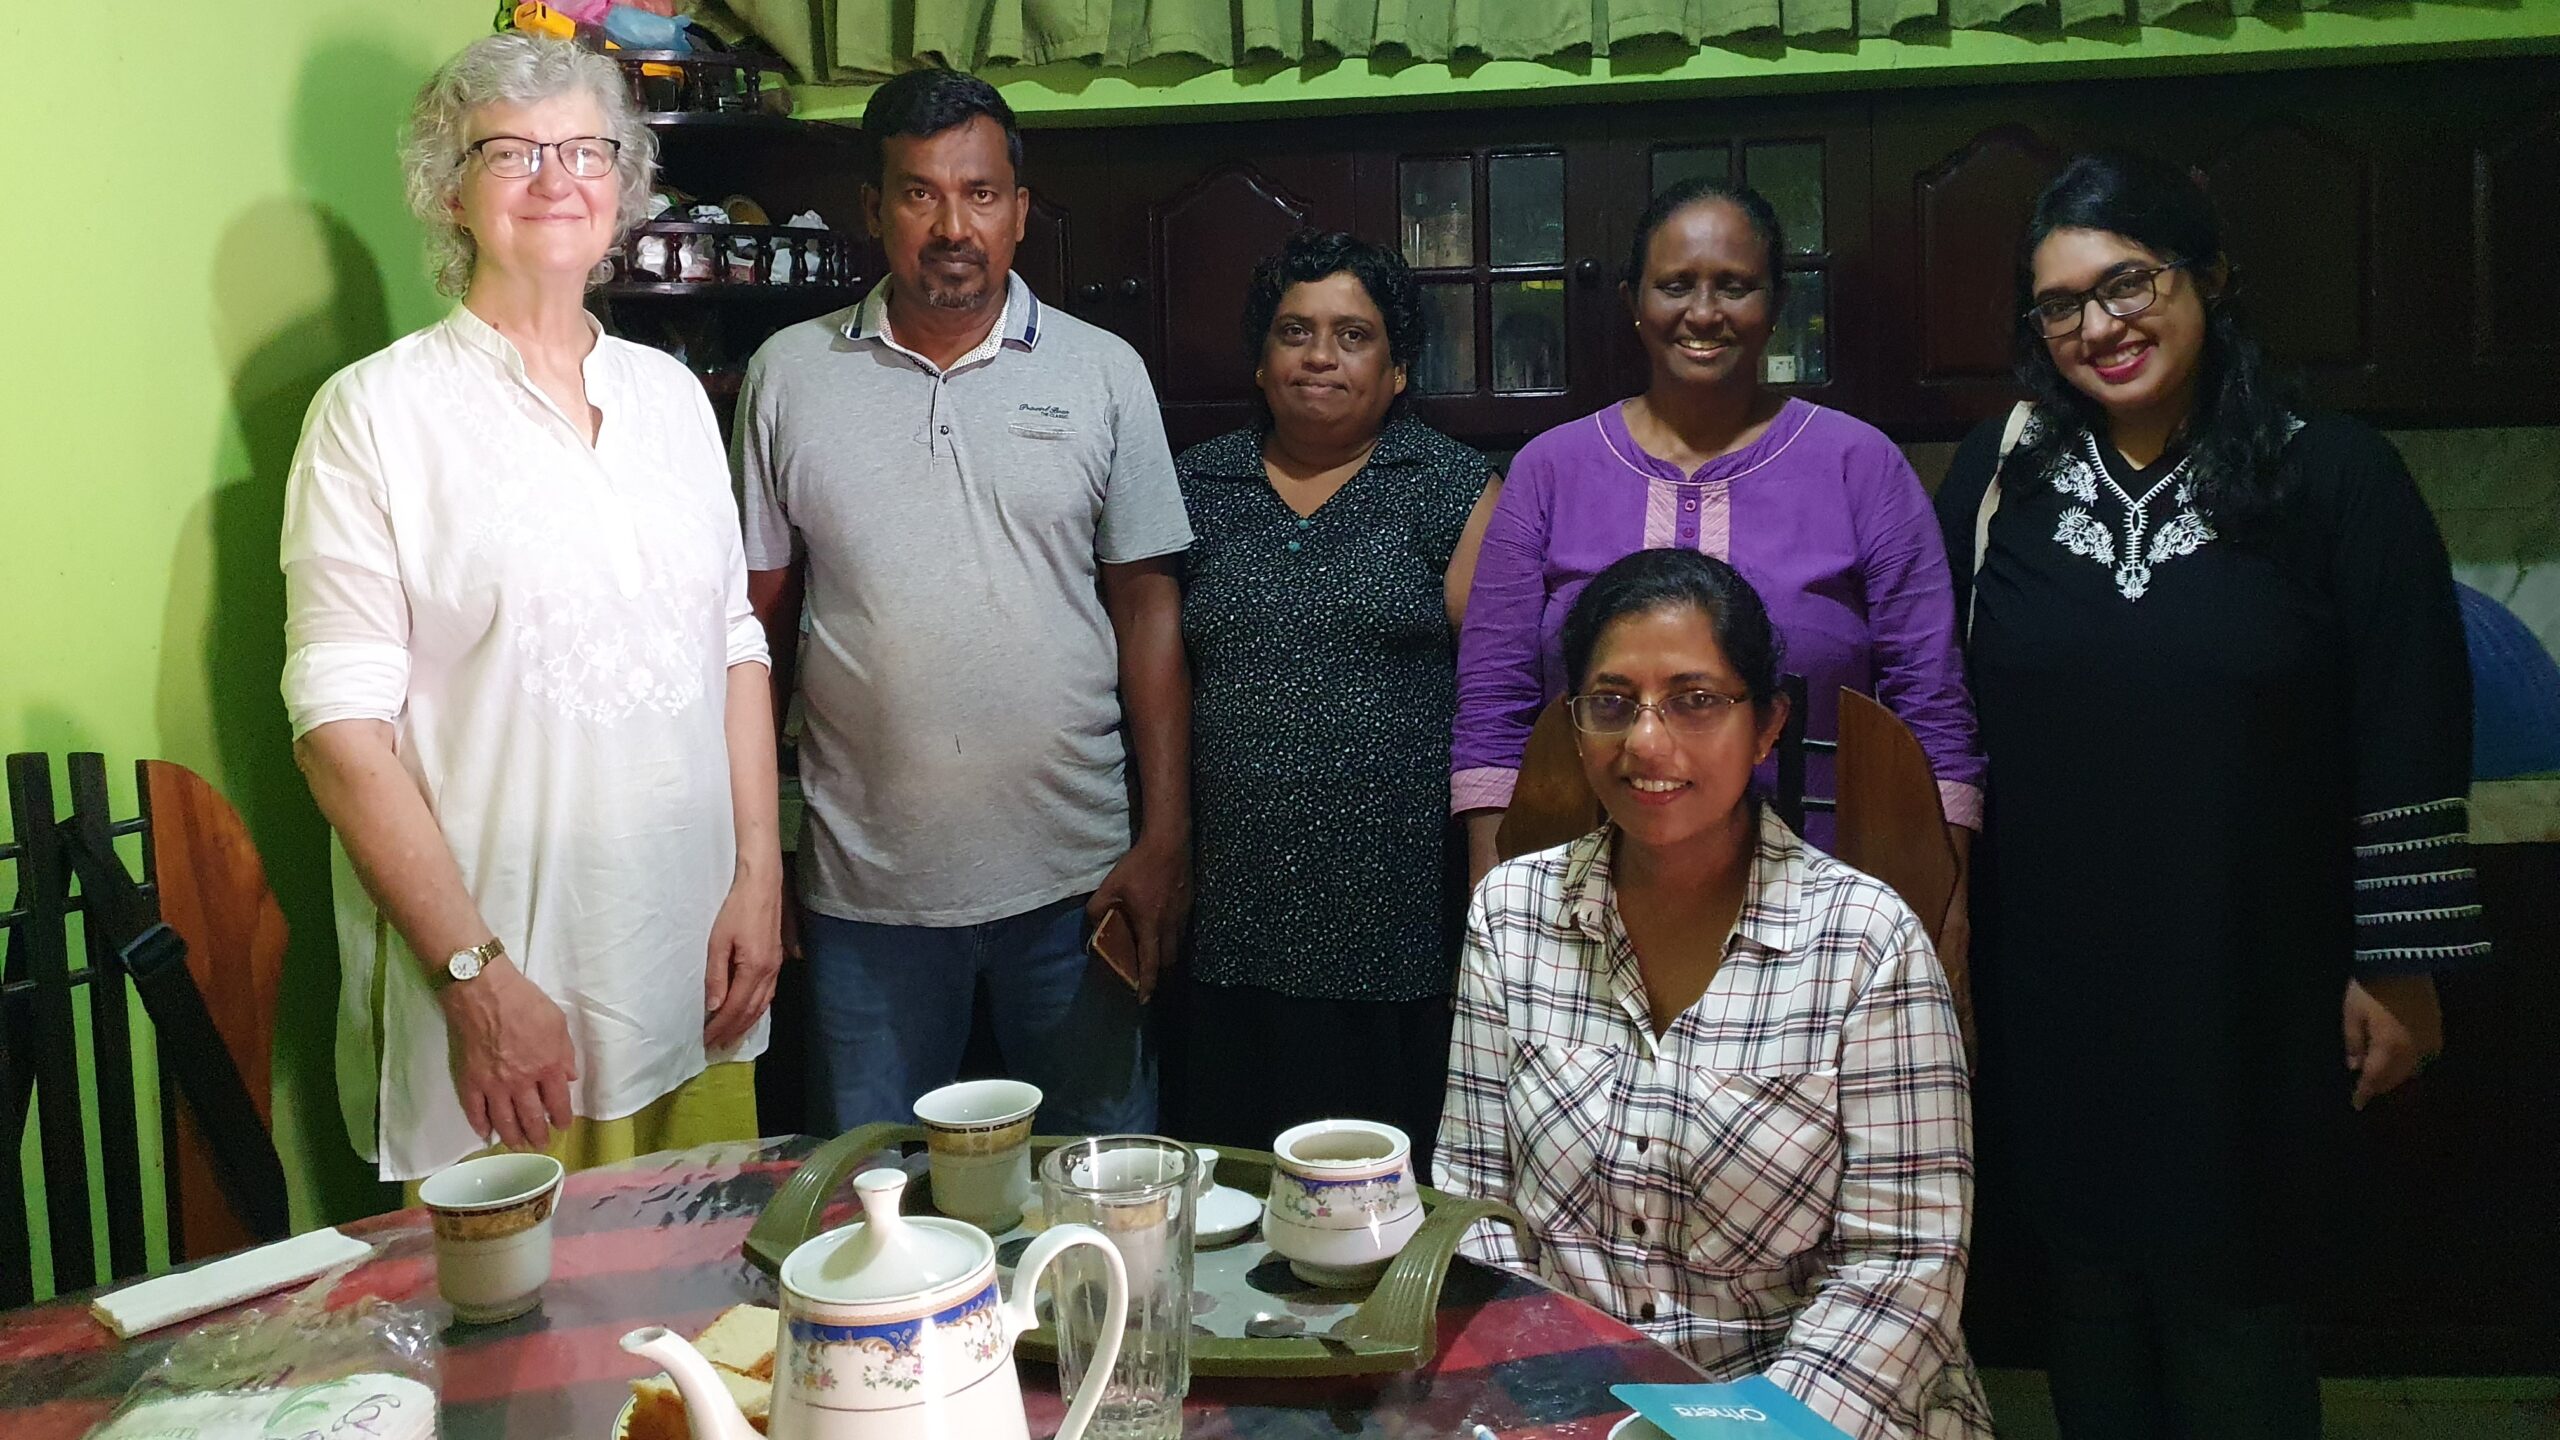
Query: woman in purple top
(1818,510)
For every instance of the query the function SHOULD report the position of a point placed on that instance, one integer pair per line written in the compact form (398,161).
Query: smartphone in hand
(1115,945)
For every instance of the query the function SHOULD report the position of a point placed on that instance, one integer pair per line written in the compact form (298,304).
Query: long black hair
(1673,578)
(2242,413)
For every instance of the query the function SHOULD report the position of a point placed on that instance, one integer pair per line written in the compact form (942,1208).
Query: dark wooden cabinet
(787,167)
(2390,229)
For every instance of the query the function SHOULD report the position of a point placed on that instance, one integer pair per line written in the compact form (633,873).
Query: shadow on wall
(299,292)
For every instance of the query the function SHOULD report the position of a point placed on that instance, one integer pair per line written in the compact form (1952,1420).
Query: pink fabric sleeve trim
(1484,788)
(1962,802)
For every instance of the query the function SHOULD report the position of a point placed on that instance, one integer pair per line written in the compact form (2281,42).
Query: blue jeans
(893,1006)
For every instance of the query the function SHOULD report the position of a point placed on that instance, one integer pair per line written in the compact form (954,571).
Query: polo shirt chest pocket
(1066,447)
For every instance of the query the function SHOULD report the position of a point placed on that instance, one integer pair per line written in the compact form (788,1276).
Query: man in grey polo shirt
(973,494)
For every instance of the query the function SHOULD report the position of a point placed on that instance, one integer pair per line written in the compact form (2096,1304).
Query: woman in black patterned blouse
(2222,686)
(1335,545)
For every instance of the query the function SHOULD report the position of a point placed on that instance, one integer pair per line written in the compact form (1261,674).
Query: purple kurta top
(1821,514)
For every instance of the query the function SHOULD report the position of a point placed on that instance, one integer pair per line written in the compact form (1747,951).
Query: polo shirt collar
(1018,327)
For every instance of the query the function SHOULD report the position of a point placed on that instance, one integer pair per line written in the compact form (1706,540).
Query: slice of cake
(739,1344)
(657,1410)
(742,1339)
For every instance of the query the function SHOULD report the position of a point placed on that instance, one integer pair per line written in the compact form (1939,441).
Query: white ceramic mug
(492,1220)
(1343,1200)
(978,1136)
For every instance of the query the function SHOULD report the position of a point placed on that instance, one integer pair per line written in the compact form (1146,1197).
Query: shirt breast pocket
(1764,1164)
(1556,1109)
(1040,427)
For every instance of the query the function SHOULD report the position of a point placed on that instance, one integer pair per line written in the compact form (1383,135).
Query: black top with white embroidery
(2226,774)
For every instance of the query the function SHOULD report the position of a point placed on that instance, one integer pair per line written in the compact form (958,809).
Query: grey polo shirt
(962,760)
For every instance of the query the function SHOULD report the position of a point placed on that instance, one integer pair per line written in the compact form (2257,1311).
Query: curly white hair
(512,69)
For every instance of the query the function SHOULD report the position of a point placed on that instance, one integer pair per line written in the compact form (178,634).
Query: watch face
(464,966)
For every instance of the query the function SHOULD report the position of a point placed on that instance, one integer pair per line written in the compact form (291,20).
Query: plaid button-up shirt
(1779,1183)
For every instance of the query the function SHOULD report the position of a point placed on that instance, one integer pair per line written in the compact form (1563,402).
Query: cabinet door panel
(2515,205)
(2296,209)
(1970,210)
(1041,258)
(1203,244)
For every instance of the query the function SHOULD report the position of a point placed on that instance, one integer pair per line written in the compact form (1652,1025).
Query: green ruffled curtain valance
(840,40)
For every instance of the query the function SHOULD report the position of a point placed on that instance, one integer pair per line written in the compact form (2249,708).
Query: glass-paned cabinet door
(1449,339)
(1675,163)
(1439,213)
(1526,195)
(1486,233)
(1788,174)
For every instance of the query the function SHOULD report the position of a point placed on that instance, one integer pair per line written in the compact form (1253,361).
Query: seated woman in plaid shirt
(1717,1069)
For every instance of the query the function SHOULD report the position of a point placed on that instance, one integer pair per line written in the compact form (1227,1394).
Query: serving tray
(1387,1327)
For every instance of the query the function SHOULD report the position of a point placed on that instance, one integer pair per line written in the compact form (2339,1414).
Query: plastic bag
(304,1371)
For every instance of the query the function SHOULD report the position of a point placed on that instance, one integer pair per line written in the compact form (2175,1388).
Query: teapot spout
(708,1408)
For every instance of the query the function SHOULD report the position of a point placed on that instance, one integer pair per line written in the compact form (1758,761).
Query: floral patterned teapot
(892,1329)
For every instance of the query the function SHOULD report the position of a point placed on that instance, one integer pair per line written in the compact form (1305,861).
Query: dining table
(657,1241)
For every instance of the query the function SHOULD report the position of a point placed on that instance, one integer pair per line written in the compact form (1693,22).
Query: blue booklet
(1749,1409)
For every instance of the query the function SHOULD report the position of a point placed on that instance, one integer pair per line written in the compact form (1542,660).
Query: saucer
(1636,1427)
(1225,1216)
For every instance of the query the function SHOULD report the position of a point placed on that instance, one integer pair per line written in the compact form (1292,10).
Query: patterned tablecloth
(657,1241)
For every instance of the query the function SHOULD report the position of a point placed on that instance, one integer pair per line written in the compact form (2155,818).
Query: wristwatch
(464,965)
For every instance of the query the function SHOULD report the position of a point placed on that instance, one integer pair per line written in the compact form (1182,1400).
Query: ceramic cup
(1343,1200)
(492,1220)
(978,1135)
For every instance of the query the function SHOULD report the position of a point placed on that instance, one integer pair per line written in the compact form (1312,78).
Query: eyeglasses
(513,157)
(1690,712)
(2123,294)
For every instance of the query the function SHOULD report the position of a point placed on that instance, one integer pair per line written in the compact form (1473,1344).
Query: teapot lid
(886,1255)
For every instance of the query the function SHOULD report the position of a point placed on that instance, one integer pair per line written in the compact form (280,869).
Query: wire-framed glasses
(513,157)
(2123,294)
(1689,712)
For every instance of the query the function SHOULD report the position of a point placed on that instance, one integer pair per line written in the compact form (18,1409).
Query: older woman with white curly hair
(524,681)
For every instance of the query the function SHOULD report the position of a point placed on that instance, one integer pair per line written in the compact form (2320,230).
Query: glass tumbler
(1138,1191)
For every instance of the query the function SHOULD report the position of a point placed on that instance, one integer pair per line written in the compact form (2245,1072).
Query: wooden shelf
(731,289)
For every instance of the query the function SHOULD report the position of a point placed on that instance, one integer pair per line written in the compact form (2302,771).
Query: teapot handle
(1022,1313)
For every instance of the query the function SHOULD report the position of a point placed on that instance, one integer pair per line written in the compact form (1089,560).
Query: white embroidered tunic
(548,628)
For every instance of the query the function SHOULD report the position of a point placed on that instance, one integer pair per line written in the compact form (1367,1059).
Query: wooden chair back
(1889,821)
(1893,826)
(200,941)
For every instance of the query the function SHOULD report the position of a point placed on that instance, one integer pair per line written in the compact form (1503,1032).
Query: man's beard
(967,295)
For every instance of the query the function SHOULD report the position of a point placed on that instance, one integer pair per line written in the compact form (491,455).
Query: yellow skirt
(718,1104)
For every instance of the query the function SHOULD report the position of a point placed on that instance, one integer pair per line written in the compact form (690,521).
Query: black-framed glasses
(1690,712)
(513,157)
(2123,294)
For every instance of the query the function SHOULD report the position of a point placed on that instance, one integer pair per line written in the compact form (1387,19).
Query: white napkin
(227,1281)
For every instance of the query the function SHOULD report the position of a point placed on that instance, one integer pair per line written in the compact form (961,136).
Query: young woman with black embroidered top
(2222,688)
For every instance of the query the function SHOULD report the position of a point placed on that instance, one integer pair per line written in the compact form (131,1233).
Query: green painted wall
(1075,94)
(209,223)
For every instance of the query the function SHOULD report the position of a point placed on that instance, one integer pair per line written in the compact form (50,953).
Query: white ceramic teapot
(892,1329)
